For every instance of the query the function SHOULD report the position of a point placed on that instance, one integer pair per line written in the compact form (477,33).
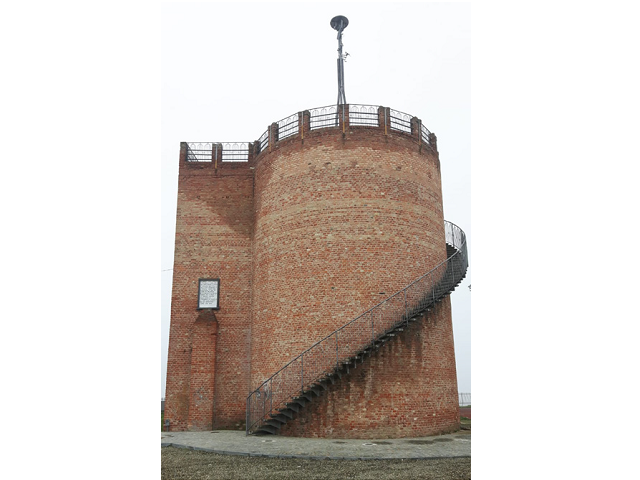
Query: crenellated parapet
(305,124)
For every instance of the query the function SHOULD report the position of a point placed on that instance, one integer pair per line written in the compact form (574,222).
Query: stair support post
(373,335)
(264,403)
(302,374)
(433,288)
(406,316)
(453,273)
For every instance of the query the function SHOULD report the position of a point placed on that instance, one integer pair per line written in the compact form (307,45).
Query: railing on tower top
(364,115)
(223,152)
(400,121)
(320,117)
(324,117)
(326,355)
(288,126)
(263,141)
(201,151)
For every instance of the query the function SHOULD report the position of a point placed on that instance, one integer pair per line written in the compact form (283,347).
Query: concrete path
(237,443)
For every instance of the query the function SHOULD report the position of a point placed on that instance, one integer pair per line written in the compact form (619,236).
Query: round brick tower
(315,234)
(345,217)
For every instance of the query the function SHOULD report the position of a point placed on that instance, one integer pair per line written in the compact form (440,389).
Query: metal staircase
(280,397)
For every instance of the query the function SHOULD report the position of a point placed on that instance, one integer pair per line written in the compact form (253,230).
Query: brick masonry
(406,388)
(208,379)
(305,236)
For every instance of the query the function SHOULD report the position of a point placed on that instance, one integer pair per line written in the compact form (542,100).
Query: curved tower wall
(406,388)
(342,221)
(304,236)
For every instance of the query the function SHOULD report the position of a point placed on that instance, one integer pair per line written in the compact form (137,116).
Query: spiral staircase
(279,398)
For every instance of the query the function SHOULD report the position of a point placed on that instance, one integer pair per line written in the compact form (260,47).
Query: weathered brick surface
(306,236)
(341,223)
(213,240)
(407,388)
(202,375)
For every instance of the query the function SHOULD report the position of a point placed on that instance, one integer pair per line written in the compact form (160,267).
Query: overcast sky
(231,69)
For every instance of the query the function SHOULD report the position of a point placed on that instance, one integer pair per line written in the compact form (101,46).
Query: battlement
(304,124)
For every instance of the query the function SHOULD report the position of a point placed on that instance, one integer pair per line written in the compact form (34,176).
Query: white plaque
(208,293)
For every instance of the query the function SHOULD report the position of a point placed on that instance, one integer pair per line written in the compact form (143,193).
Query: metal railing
(323,117)
(400,121)
(363,115)
(327,355)
(425,134)
(288,126)
(235,152)
(320,117)
(464,399)
(264,141)
(200,152)
(224,152)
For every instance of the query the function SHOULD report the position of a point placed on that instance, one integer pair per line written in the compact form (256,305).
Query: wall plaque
(209,293)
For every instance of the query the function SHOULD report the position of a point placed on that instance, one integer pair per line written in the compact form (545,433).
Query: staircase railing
(327,355)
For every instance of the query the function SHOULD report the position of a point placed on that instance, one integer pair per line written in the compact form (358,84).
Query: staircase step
(287,412)
(331,378)
(278,418)
(309,396)
(315,389)
(274,424)
(320,384)
(267,429)
(302,401)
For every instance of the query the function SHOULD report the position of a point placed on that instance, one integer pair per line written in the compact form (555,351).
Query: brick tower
(334,264)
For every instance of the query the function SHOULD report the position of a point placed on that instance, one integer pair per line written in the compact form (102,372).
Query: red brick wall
(407,388)
(208,380)
(202,375)
(323,229)
(342,222)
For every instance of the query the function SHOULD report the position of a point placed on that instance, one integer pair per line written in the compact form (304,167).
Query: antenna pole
(339,23)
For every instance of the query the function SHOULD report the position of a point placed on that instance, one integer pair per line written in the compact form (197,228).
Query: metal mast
(339,23)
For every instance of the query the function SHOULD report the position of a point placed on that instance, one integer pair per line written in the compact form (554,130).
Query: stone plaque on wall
(209,293)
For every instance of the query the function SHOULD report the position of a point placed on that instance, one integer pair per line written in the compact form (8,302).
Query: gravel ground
(182,463)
